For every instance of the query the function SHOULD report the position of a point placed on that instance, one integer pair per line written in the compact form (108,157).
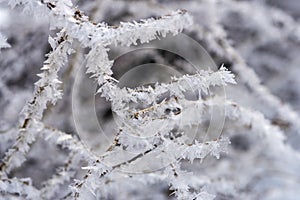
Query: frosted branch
(3,42)
(22,188)
(46,91)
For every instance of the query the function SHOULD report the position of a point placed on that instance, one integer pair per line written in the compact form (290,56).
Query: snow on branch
(77,25)
(66,141)
(199,82)
(274,139)
(20,188)
(129,33)
(47,90)
(48,87)
(3,42)
(180,184)
(202,150)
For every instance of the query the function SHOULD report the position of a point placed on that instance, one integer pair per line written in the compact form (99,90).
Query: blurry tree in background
(125,99)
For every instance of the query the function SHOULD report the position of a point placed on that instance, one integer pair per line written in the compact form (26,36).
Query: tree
(160,126)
